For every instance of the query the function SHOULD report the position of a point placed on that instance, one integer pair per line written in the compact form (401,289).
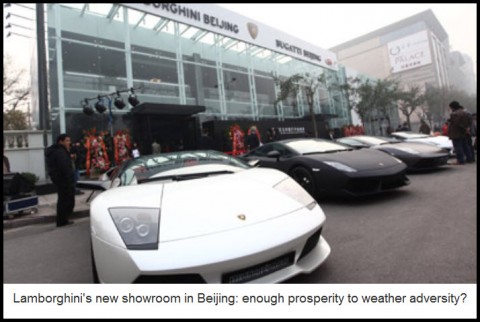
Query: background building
(414,51)
(460,71)
(188,63)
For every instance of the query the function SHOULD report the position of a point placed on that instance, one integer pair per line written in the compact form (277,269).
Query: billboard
(409,52)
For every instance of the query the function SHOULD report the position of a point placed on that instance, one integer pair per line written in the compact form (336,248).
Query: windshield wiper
(188,176)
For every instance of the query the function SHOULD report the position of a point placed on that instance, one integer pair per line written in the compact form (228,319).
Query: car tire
(304,178)
(96,280)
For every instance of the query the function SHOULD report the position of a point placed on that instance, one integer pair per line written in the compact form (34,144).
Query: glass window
(90,71)
(265,88)
(156,78)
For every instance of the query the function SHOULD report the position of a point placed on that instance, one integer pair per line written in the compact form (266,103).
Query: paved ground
(45,212)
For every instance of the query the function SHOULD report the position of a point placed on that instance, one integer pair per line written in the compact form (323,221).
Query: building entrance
(173,126)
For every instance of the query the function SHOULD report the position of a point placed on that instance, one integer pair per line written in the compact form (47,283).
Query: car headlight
(408,150)
(138,227)
(340,166)
(291,188)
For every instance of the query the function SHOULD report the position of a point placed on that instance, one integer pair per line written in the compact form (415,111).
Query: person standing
(61,171)
(135,151)
(252,140)
(424,128)
(78,160)
(457,132)
(206,142)
(6,163)
(156,148)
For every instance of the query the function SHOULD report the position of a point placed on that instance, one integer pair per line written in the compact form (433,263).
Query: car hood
(220,203)
(417,146)
(361,160)
(441,141)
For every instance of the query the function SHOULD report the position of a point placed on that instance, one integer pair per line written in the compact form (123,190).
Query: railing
(25,151)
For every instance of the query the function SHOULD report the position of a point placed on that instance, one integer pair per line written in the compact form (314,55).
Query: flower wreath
(97,157)
(236,136)
(121,145)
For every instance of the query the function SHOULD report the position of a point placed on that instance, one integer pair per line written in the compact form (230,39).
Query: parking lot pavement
(46,211)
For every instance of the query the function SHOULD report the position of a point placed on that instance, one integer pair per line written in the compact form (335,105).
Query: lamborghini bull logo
(252,30)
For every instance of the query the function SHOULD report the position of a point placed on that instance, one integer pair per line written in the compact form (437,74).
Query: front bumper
(209,258)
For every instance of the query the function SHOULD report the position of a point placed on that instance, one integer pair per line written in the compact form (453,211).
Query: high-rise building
(414,51)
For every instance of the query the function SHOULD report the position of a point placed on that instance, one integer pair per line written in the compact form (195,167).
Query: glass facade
(95,49)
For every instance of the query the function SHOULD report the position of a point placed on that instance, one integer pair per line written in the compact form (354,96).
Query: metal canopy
(167,109)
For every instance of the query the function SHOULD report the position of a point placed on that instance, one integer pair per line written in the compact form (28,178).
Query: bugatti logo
(252,30)
(242,217)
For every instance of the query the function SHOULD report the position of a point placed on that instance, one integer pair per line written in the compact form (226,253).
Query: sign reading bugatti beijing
(409,52)
(225,22)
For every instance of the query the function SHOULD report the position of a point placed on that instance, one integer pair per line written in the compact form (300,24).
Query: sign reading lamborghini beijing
(222,21)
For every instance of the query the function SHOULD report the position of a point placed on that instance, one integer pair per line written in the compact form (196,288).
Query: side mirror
(254,163)
(273,154)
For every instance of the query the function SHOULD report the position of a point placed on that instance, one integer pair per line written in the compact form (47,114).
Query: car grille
(431,162)
(259,270)
(364,186)
(170,279)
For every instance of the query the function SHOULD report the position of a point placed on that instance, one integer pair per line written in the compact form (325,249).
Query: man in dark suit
(61,171)
(206,142)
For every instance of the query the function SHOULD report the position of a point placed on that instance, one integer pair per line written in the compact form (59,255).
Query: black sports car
(327,168)
(417,156)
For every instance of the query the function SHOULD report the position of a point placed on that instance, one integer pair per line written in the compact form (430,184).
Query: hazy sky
(328,25)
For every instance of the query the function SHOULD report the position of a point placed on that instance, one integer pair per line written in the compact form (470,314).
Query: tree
(306,82)
(386,92)
(15,93)
(409,101)
(14,120)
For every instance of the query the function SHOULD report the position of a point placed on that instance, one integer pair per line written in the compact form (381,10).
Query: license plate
(257,271)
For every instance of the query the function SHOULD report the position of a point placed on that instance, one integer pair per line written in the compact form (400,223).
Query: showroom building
(190,66)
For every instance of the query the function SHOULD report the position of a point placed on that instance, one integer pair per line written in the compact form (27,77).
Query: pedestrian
(276,134)
(457,132)
(474,131)
(135,151)
(61,172)
(156,147)
(445,129)
(206,142)
(404,127)
(424,128)
(331,135)
(6,163)
(470,134)
(76,155)
(252,140)
(269,135)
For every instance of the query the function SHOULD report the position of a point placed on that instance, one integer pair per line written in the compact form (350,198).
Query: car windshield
(410,135)
(372,140)
(312,146)
(179,166)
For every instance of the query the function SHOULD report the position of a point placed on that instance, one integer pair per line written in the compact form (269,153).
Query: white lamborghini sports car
(202,217)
